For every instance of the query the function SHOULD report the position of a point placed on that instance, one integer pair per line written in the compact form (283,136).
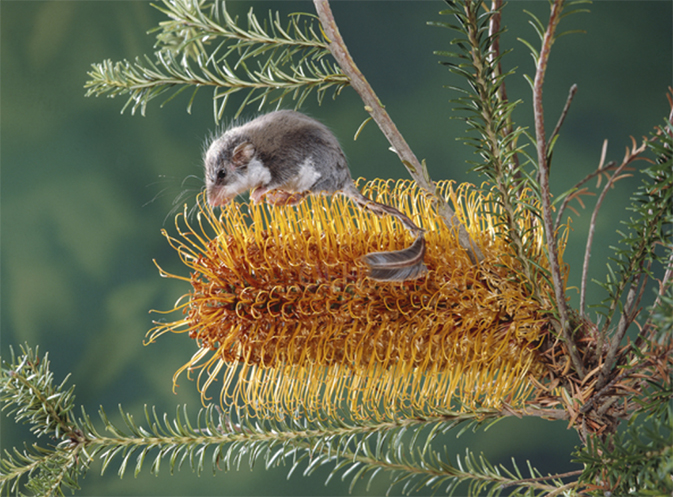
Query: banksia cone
(286,321)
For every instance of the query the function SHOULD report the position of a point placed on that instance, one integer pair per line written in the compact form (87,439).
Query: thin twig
(631,155)
(373,105)
(557,129)
(628,315)
(604,390)
(636,302)
(537,412)
(601,169)
(544,478)
(494,53)
(493,28)
(592,231)
(564,113)
(664,281)
(624,322)
(562,489)
(579,184)
(552,248)
(662,288)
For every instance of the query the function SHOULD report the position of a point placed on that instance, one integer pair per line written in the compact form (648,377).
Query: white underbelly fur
(305,178)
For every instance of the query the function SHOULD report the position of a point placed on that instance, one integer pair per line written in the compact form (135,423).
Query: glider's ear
(242,155)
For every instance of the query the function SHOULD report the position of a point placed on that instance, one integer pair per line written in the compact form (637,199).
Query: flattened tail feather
(398,265)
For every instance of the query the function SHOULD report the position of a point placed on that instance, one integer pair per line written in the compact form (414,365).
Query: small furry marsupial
(283,155)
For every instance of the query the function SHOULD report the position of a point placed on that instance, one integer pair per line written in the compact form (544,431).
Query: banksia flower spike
(287,322)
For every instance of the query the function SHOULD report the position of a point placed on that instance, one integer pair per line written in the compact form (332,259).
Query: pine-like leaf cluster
(484,107)
(638,461)
(355,449)
(28,393)
(272,61)
(593,384)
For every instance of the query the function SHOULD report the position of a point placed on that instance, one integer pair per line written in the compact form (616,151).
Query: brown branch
(562,489)
(564,113)
(536,412)
(375,108)
(605,389)
(628,315)
(664,281)
(543,163)
(624,322)
(592,229)
(662,288)
(544,478)
(601,169)
(493,33)
(493,28)
(633,296)
(631,155)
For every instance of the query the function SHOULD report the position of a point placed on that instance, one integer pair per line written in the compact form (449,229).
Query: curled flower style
(284,315)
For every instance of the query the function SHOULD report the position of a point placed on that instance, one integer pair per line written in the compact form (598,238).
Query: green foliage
(272,61)
(663,316)
(487,112)
(484,106)
(638,461)
(27,392)
(33,398)
(354,449)
(202,45)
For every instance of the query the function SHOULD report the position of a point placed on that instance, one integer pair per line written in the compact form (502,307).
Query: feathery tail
(397,265)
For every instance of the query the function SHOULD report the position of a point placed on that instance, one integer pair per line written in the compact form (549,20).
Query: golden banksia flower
(286,321)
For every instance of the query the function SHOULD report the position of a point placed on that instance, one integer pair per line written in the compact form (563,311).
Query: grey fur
(283,140)
(286,153)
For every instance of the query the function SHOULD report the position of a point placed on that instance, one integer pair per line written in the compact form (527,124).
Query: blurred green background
(86,190)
